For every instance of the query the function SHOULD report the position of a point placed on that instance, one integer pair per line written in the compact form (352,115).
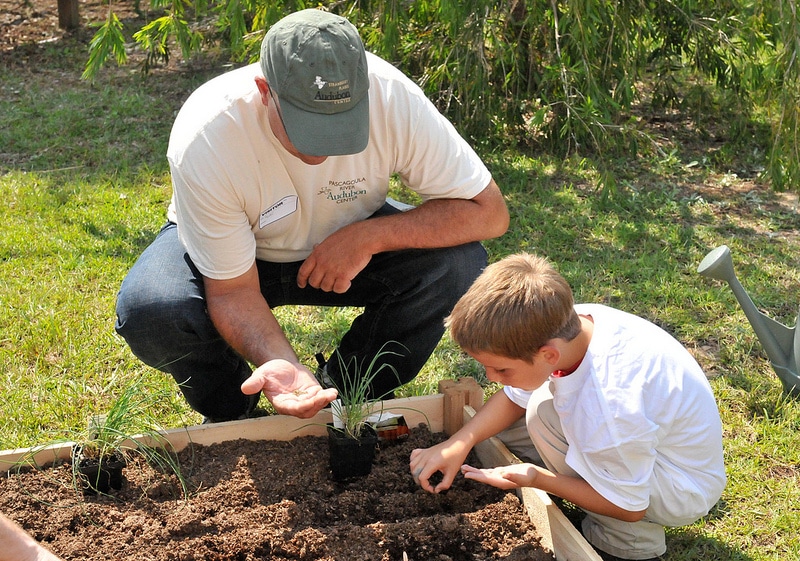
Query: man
(280,177)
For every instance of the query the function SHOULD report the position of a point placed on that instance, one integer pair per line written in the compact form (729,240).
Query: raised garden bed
(250,499)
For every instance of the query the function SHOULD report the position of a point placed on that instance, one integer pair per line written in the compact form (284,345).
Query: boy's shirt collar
(567,371)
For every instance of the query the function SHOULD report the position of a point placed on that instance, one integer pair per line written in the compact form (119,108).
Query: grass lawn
(84,188)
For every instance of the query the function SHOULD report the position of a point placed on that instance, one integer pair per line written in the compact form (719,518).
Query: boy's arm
(498,413)
(19,546)
(573,489)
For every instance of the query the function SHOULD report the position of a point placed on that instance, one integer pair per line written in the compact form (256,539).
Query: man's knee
(472,257)
(156,327)
(462,266)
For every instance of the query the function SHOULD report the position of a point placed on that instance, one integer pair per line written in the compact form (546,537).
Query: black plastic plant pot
(100,475)
(350,457)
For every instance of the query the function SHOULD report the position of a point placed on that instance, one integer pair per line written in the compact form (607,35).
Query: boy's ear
(550,354)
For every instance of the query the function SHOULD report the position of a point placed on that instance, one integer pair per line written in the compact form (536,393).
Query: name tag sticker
(281,209)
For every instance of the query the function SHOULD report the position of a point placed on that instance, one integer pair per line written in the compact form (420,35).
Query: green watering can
(781,343)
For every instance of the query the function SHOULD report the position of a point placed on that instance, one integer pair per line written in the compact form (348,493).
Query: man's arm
(18,545)
(336,261)
(245,320)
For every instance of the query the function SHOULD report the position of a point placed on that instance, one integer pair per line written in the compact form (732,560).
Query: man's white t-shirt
(238,195)
(640,419)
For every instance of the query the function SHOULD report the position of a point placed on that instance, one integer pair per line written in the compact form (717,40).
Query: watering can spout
(781,343)
(718,264)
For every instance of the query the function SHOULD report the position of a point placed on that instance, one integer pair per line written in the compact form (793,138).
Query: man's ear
(263,89)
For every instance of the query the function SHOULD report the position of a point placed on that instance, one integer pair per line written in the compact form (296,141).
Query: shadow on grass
(51,120)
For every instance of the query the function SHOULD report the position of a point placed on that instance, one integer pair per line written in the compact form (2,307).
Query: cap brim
(318,134)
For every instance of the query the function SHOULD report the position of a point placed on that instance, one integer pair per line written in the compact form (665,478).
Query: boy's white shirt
(239,195)
(640,419)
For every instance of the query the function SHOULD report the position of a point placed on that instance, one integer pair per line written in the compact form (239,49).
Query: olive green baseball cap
(315,63)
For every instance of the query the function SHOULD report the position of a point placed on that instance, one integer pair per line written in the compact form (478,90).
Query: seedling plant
(109,440)
(354,407)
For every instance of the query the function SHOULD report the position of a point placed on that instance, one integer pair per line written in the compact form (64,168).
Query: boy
(620,413)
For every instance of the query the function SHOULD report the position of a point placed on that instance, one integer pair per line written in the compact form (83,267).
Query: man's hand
(504,477)
(291,388)
(334,262)
(444,458)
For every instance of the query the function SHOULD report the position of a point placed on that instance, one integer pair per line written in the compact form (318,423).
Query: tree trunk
(68,17)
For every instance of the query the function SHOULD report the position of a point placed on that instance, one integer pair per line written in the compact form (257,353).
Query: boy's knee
(626,540)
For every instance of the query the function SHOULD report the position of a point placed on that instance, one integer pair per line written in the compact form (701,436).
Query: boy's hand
(291,388)
(444,458)
(503,477)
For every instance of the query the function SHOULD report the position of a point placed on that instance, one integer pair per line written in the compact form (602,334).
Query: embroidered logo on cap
(320,83)
(334,92)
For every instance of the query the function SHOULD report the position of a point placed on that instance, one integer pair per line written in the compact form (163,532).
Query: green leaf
(107,41)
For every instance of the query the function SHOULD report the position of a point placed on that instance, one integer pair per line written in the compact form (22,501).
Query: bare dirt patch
(24,23)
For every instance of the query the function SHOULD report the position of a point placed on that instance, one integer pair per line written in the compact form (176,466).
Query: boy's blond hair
(513,308)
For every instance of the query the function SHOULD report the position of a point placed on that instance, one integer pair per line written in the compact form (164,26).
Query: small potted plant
(352,438)
(98,458)
(103,448)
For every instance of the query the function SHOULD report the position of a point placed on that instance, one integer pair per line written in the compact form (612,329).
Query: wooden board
(416,410)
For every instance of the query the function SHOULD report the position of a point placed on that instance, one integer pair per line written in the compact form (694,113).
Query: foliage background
(556,75)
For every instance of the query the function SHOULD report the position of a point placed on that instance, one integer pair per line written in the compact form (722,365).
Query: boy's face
(515,372)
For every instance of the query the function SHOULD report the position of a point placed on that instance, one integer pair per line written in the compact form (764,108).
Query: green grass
(84,187)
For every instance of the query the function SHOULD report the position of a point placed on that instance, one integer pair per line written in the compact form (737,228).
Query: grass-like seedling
(111,439)
(355,404)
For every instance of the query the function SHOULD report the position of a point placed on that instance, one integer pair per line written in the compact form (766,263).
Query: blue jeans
(161,314)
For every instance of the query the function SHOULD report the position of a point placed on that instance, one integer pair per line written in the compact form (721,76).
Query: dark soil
(272,500)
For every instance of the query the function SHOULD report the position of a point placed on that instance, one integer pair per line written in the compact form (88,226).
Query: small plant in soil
(352,437)
(101,450)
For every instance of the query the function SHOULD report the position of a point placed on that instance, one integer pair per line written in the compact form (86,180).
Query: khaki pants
(519,443)
(545,439)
